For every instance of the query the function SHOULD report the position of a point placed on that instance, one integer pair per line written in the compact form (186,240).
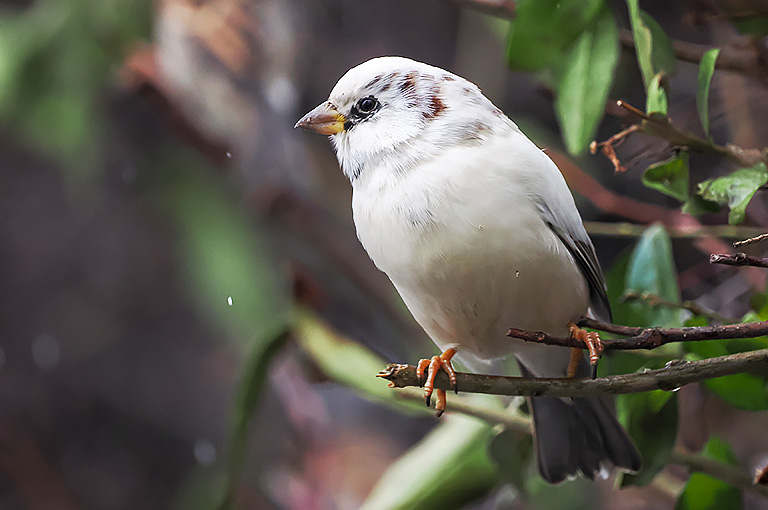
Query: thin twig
(738,259)
(675,375)
(661,126)
(608,147)
(731,475)
(647,338)
(750,240)
(692,306)
(686,231)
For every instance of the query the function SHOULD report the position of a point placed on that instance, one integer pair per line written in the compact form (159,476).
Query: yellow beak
(325,119)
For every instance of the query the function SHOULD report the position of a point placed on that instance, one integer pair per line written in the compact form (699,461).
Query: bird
(478,231)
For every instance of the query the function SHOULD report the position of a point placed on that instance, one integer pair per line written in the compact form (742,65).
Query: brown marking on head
(388,81)
(409,83)
(373,82)
(435,105)
(448,77)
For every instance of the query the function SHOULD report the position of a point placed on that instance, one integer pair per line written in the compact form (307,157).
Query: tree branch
(661,126)
(676,374)
(738,259)
(647,338)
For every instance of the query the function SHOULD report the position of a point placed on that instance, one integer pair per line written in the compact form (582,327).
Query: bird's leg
(426,370)
(573,364)
(594,346)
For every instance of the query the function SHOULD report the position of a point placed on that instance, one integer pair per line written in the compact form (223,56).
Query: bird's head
(394,112)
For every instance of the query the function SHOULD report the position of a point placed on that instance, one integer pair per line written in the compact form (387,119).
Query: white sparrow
(478,231)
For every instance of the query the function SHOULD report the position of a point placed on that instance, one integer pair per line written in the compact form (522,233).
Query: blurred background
(162,226)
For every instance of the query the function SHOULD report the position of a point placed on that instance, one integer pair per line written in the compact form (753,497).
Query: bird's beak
(325,119)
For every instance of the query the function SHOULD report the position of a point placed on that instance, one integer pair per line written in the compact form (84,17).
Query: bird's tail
(580,435)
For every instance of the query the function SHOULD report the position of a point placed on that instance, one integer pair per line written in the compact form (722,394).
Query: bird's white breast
(462,241)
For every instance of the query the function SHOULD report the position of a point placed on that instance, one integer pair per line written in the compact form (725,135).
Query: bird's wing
(570,231)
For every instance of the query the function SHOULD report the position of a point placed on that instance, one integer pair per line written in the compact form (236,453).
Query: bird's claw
(426,371)
(594,346)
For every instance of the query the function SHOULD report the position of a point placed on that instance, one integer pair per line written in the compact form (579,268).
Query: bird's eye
(367,104)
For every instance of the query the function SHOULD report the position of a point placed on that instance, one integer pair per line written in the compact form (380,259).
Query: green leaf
(651,420)
(670,177)
(652,269)
(696,206)
(703,492)
(744,391)
(735,190)
(585,81)
(657,96)
(706,70)
(448,469)
(543,29)
(652,45)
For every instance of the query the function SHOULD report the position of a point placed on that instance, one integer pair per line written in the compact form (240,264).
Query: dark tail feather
(579,435)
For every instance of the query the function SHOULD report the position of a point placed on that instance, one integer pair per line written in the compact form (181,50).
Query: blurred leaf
(755,25)
(233,281)
(512,451)
(349,363)
(56,60)
(585,81)
(744,391)
(617,361)
(706,70)
(652,45)
(735,190)
(651,420)
(657,96)
(226,262)
(248,397)
(449,468)
(543,29)
(651,269)
(670,177)
(578,494)
(703,492)
(340,358)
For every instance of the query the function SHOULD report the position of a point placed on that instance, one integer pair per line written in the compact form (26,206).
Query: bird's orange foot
(594,346)
(427,369)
